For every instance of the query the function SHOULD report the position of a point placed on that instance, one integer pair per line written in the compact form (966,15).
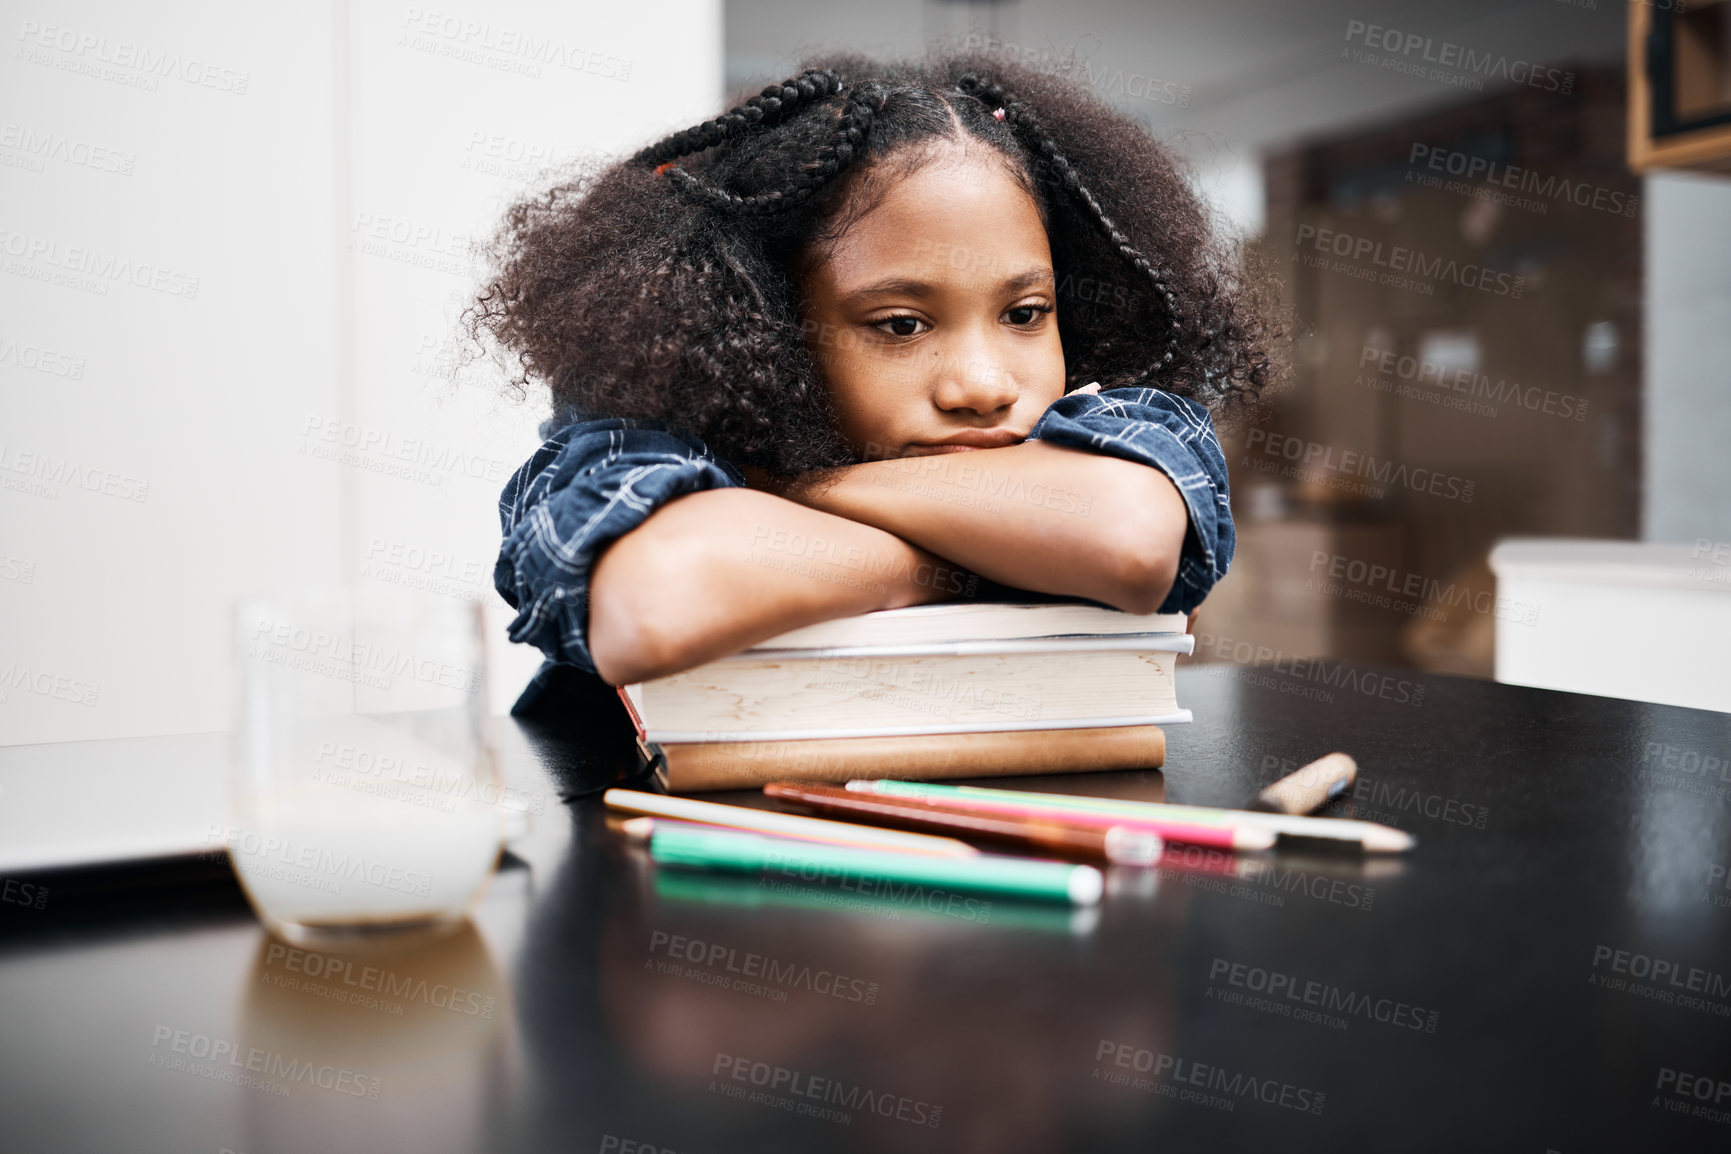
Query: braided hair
(767,108)
(1022,119)
(667,286)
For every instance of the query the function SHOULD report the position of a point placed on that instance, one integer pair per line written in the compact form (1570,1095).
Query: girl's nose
(974,384)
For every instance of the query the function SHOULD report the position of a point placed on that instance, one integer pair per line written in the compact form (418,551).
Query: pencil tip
(1254,838)
(1387,839)
(1127,845)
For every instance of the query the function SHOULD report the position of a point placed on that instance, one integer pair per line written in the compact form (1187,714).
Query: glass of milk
(365,793)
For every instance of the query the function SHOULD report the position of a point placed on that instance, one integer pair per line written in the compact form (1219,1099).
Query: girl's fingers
(1093,387)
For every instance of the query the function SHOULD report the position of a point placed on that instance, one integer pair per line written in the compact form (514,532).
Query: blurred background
(235,246)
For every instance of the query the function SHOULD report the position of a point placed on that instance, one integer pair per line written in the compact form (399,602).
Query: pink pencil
(1219,836)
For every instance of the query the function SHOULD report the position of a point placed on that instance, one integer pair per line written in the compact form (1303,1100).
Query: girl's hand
(1093,388)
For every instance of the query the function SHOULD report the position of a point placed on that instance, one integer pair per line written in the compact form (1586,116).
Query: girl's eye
(1025,316)
(900,326)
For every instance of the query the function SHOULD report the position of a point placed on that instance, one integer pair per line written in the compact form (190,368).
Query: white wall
(227,234)
(1687,492)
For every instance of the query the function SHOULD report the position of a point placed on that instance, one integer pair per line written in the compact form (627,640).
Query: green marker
(931,906)
(875,873)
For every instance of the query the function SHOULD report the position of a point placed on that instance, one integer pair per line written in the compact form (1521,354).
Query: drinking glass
(365,793)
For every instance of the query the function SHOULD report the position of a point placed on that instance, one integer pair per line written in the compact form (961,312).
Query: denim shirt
(594,480)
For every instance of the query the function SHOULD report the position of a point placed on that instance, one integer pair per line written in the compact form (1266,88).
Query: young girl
(869,338)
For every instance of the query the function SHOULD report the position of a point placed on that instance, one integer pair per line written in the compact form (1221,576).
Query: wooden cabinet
(1635,619)
(1680,85)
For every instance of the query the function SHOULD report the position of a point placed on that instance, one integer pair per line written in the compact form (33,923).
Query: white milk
(347,822)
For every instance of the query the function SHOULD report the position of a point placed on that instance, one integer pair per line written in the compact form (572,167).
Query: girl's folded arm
(715,572)
(1034,516)
(647,537)
(1121,498)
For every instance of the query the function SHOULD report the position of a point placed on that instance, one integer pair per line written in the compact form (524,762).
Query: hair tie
(661,169)
(997,114)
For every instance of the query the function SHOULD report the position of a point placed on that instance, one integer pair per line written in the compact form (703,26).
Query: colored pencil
(784,824)
(1121,845)
(1368,836)
(862,869)
(643,827)
(1217,835)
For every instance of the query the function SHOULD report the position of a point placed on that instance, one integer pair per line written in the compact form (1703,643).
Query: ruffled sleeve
(589,484)
(1175,435)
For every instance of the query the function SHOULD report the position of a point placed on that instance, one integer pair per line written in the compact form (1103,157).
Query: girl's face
(933,316)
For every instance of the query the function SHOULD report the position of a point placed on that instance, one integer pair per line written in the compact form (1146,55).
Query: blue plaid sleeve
(589,484)
(1175,435)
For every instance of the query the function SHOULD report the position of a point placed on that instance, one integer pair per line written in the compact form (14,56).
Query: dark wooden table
(1549,970)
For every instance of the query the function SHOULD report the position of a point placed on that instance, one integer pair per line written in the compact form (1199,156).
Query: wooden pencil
(785,824)
(1121,845)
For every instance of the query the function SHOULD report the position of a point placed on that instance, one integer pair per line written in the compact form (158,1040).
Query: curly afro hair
(665,286)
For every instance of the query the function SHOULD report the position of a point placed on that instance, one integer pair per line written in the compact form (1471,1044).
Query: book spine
(694,767)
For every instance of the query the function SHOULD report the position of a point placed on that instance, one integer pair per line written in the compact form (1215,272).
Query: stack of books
(932,691)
